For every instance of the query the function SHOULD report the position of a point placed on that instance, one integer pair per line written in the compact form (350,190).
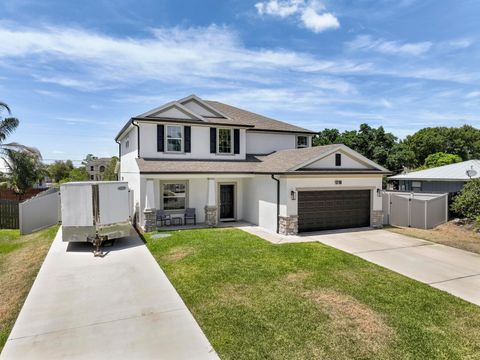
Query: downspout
(138,138)
(278,202)
(119,158)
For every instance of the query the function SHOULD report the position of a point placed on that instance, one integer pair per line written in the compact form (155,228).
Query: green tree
(7,126)
(89,158)
(373,143)
(60,169)
(441,159)
(109,173)
(400,157)
(463,141)
(24,170)
(76,174)
(467,202)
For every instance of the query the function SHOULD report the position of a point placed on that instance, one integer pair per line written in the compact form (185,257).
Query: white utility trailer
(95,211)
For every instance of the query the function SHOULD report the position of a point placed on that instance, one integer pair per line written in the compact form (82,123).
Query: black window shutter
(160,138)
(188,141)
(213,140)
(236,141)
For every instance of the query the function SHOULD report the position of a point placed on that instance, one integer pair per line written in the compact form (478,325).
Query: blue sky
(75,72)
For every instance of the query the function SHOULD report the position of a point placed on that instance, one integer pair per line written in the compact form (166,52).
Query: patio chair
(190,215)
(163,218)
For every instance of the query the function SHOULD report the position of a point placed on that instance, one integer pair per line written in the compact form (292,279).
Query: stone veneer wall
(150,220)
(288,225)
(377,219)
(211,218)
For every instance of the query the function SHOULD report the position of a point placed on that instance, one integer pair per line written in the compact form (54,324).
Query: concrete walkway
(121,306)
(443,267)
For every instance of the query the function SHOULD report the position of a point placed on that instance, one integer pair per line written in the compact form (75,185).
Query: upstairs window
(302,142)
(174,138)
(338,159)
(225,141)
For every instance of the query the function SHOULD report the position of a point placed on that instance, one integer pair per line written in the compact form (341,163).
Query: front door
(227,203)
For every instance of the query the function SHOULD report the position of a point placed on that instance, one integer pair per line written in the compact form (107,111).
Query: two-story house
(232,164)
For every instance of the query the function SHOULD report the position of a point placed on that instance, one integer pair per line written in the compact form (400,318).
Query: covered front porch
(213,199)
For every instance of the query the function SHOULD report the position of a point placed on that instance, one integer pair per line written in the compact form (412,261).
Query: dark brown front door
(325,210)
(227,193)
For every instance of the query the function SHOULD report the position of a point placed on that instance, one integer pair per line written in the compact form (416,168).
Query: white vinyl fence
(417,210)
(40,211)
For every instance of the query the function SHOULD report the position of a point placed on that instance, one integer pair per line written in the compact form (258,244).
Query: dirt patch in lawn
(447,234)
(352,322)
(234,293)
(179,253)
(297,277)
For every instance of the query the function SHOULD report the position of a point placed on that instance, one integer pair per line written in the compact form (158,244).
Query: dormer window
(302,142)
(224,142)
(174,138)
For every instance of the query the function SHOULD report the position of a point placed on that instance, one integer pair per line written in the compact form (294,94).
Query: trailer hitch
(97,241)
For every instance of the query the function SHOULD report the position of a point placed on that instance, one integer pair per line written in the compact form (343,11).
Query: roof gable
(172,110)
(197,105)
(354,159)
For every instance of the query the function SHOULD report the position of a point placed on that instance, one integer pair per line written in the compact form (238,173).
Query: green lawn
(256,300)
(20,260)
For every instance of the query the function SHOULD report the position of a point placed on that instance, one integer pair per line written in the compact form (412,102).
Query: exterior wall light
(379,193)
(292,195)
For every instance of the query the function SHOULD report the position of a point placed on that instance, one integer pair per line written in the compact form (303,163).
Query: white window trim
(182,150)
(301,147)
(231,142)
(162,204)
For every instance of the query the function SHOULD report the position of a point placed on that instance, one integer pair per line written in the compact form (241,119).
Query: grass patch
(256,300)
(446,234)
(20,260)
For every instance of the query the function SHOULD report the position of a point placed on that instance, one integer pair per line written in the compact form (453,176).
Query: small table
(176,221)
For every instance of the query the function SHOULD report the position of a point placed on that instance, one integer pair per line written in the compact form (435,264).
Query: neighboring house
(96,168)
(231,164)
(445,179)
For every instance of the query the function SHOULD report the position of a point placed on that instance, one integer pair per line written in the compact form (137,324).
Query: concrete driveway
(121,306)
(443,267)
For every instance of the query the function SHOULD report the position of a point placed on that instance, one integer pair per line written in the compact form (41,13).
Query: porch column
(211,208)
(150,211)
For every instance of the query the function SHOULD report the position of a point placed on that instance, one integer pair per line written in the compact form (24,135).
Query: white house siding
(260,199)
(266,143)
(129,170)
(200,144)
(328,162)
(319,182)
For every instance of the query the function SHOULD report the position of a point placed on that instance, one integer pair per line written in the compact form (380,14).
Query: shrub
(467,202)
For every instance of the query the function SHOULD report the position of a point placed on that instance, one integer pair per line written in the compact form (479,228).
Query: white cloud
(310,14)
(473,94)
(366,42)
(319,22)
(279,8)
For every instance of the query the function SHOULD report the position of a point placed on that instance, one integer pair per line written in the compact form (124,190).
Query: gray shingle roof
(278,162)
(259,122)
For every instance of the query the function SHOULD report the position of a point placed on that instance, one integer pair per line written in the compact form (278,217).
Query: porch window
(302,142)
(174,195)
(225,141)
(174,138)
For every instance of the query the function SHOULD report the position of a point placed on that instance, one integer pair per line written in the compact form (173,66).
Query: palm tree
(7,126)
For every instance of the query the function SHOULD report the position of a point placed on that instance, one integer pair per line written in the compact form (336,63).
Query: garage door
(326,210)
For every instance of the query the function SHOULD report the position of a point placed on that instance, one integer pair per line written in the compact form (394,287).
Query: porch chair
(163,218)
(190,215)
